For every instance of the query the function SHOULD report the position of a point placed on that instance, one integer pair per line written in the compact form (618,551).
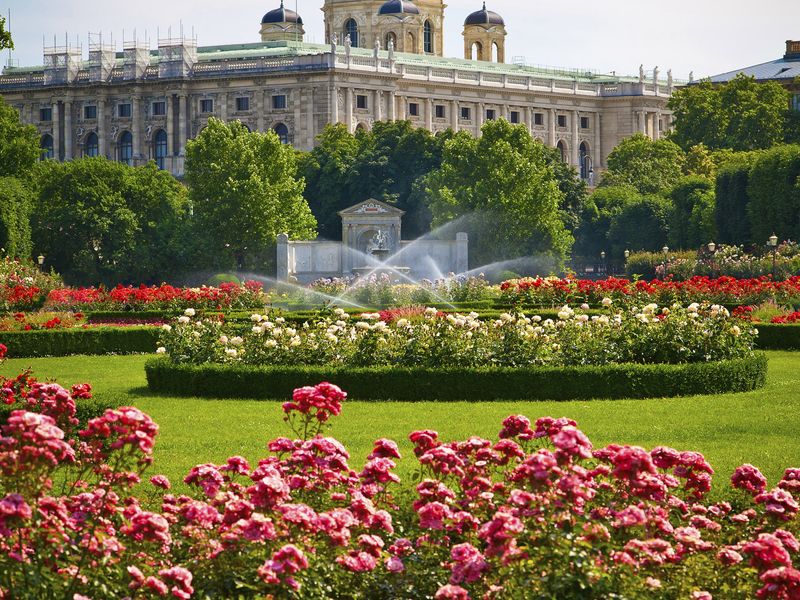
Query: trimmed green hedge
(94,340)
(408,384)
(772,336)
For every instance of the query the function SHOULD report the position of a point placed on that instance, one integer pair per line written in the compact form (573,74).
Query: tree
(700,161)
(5,36)
(731,215)
(774,192)
(19,144)
(502,187)
(571,185)
(99,221)
(640,226)
(692,215)
(244,192)
(16,200)
(652,167)
(592,234)
(741,114)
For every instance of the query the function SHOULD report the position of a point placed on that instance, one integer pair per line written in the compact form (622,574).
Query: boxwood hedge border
(454,384)
(93,341)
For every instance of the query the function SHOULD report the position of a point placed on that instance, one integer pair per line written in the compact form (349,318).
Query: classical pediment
(372,207)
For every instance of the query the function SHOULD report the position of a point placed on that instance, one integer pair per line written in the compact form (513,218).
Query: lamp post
(40,260)
(712,249)
(773,243)
(627,255)
(603,261)
(665,250)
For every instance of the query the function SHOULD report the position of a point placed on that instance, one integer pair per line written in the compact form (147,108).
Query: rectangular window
(562,120)
(538,119)
(515,117)
(796,102)
(413,109)
(361,101)
(491,115)
(466,113)
(159,108)
(440,111)
(124,111)
(89,112)
(242,104)
(584,122)
(46,114)
(206,105)
(279,102)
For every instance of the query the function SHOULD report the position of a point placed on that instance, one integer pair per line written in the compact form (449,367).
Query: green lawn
(760,427)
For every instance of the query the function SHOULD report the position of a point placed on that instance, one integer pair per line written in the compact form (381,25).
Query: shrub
(456,384)
(63,342)
(216,280)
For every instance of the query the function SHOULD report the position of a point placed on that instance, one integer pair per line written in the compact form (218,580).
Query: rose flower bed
(539,512)
(649,351)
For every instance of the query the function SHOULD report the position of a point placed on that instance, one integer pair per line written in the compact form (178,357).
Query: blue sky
(704,36)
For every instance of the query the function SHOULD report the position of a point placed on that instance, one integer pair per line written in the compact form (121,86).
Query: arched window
(90,146)
(428,31)
(476,51)
(351,29)
(125,148)
(46,144)
(160,148)
(562,149)
(391,37)
(586,160)
(411,43)
(495,52)
(283,132)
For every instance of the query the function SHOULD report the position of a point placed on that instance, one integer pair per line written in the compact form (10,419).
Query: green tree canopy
(19,144)
(592,234)
(99,221)
(774,192)
(5,35)
(652,167)
(741,114)
(502,187)
(640,226)
(244,192)
(692,217)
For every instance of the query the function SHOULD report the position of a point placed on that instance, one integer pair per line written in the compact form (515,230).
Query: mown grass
(759,427)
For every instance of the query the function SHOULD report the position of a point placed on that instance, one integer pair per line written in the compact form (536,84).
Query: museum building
(382,60)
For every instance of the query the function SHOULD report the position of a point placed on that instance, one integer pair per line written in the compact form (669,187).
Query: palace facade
(382,60)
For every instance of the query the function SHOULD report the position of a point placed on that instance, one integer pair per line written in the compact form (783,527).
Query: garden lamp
(627,254)
(712,247)
(40,259)
(773,240)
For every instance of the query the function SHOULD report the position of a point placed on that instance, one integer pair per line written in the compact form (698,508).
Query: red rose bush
(539,512)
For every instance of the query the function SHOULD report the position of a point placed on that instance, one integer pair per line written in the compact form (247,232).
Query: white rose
(184,319)
(270,344)
(161,350)
(256,318)
(607,302)
(237,341)
(223,339)
(584,306)
(230,352)
(189,312)
(166,327)
(402,323)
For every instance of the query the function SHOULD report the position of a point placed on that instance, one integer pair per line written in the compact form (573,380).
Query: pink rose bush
(538,512)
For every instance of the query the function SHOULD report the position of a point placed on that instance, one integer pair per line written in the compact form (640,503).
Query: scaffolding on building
(176,56)
(135,58)
(61,63)
(102,58)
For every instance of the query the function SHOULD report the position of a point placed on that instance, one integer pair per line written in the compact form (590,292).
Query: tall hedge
(730,213)
(16,200)
(774,194)
(691,221)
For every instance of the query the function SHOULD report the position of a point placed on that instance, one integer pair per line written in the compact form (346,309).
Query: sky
(703,36)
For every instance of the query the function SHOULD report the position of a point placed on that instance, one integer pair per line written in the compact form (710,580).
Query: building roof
(484,17)
(776,69)
(396,7)
(282,15)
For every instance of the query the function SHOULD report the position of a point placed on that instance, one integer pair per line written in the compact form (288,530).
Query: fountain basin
(396,274)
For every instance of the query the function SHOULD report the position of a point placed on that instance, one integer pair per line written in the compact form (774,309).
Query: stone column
(551,123)
(102,146)
(56,123)
(283,257)
(136,127)
(261,108)
(310,120)
(170,126)
(597,151)
(401,108)
(348,109)
(183,122)
(223,106)
(378,109)
(656,125)
(454,114)
(479,117)
(429,114)
(334,100)
(641,122)
(392,105)
(528,119)
(67,130)
(462,253)
(575,140)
